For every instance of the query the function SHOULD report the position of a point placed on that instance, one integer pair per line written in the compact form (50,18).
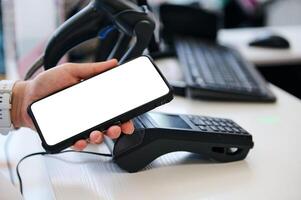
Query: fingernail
(98,139)
(93,136)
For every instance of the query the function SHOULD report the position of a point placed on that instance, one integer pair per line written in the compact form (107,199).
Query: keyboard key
(203,128)
(208,122)
(221,128)
(215,123)
(197,122)
(229,125)
(236,130)
(229,129)
(235,125)
(214,128)
(222,124)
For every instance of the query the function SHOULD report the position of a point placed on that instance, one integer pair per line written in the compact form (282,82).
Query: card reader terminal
(156,134)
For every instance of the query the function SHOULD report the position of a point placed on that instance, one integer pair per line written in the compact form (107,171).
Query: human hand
(55,79)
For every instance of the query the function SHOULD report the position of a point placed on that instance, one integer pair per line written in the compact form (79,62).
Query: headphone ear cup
(141,2)
(153,45)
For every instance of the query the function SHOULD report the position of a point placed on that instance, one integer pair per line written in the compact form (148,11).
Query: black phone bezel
(103,126)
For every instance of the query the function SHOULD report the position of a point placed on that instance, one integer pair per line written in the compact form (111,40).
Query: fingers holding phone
(97,137)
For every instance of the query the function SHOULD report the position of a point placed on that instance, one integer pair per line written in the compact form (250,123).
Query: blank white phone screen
(98,99)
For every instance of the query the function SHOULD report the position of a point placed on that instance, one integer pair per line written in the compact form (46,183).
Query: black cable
(45,153)
(17,168)
(39,62)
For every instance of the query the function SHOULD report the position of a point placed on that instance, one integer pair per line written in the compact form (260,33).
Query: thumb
(87,70)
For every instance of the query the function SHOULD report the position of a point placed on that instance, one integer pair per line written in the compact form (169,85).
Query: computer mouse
(270,41)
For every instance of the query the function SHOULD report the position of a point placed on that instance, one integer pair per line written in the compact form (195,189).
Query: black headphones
(115,22)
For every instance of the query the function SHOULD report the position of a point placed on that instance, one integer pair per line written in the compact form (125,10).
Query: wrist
(18,112)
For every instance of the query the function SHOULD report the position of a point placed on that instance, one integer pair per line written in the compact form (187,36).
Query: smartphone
(114,96)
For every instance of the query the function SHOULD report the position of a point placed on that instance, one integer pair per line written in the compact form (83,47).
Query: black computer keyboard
(218,72)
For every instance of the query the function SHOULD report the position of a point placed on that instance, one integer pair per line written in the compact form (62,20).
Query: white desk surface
(272,170)
(239,38)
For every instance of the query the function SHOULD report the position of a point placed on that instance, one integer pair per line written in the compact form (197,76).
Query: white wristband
(6,88)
